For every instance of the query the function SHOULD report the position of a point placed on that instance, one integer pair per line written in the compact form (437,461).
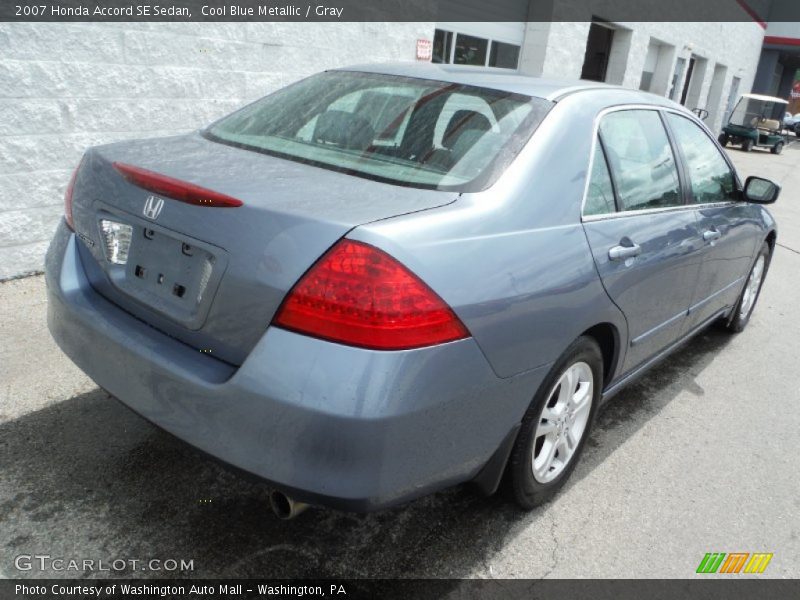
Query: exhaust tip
(284,507)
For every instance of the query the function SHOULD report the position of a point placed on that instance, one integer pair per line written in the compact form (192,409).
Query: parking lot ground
(699,456)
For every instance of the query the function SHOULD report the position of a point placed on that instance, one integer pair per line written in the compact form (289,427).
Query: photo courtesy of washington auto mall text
(167,590)
(399,299)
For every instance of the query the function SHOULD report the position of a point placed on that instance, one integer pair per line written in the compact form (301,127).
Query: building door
(714,100)
(687,82)
(680,65)
(598,49)
(478,44)
(650,66)
(461,39)
(732,96)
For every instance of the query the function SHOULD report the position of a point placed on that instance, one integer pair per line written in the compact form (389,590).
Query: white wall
(557,50)
(64,87)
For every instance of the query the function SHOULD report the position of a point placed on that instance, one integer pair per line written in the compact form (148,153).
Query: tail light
(176,189)
(68,197)
(358,295)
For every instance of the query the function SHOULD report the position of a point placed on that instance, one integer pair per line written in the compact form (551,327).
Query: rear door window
(641,160)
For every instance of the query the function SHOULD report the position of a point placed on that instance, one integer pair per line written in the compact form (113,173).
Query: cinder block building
(66,86)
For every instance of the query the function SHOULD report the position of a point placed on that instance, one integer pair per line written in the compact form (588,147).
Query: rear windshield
(405,131)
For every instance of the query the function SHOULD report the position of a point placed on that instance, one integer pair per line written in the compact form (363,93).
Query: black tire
(739,318)
(723,139)
(747,145)
(527,491)
(777,148)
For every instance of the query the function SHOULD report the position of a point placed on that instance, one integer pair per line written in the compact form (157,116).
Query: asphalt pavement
(701,455)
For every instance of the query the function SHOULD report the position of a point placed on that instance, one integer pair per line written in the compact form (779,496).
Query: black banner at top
(760,11)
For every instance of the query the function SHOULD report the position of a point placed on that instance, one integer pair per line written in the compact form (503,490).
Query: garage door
(465,37)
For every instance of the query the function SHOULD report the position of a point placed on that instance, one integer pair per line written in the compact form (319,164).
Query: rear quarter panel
(513,261)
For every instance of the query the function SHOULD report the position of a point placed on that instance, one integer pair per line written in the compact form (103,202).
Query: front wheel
(777,148)
(747,300)
(556,425)
(723,139)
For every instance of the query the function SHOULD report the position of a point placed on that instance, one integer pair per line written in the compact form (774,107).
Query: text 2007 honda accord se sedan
(386,280)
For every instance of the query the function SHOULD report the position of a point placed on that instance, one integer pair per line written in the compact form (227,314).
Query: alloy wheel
(563,422)
(751,287)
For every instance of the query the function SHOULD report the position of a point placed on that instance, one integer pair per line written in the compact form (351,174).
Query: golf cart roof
(765,98)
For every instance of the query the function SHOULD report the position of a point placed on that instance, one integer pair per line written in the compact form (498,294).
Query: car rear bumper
(326,423)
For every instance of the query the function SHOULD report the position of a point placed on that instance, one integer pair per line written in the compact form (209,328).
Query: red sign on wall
(424,49)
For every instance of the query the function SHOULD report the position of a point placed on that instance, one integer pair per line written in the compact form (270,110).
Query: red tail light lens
(176,189)
(359,295)
(68,196)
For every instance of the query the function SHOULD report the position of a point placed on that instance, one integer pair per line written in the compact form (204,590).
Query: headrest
(465,141)
(344,129)
(461,121)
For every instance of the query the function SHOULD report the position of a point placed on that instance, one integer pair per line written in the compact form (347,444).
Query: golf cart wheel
(747,145)
(777,148)
(723,139)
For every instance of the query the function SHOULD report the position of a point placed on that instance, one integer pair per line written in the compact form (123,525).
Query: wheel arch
(607,337)
(771,238)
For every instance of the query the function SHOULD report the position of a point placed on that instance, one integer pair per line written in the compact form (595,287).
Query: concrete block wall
(557,50)
(64,87)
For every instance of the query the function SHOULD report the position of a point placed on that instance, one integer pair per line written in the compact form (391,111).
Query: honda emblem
(152,207)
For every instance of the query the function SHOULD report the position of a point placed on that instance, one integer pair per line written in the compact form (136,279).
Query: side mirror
(760,190)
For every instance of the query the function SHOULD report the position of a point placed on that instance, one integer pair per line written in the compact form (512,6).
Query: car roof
(504,80)
(765,98)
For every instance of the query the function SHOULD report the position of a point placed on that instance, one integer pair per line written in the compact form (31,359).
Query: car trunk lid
(209,276)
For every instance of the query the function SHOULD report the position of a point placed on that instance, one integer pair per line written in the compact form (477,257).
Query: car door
(643,235)
(723,219)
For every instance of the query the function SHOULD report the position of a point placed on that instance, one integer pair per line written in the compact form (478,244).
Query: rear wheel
(747,145)
(777,148)
(752,288)
(723,139)
(556,425)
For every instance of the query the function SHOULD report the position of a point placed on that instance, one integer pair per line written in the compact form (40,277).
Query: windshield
(400,130)
(751,112)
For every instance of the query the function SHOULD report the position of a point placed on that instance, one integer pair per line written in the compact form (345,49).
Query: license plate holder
(170,273)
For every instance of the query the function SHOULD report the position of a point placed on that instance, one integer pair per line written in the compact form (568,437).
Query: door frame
(683,173)
(723,204)
(684,182)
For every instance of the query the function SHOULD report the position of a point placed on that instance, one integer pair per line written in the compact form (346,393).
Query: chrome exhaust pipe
(284,507)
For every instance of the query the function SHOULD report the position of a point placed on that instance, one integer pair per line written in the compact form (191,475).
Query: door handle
(711,234)
(622,252)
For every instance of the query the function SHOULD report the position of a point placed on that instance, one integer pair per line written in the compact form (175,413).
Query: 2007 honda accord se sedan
(382,281)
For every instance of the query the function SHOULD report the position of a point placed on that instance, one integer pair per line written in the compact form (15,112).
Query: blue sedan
(386,280)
